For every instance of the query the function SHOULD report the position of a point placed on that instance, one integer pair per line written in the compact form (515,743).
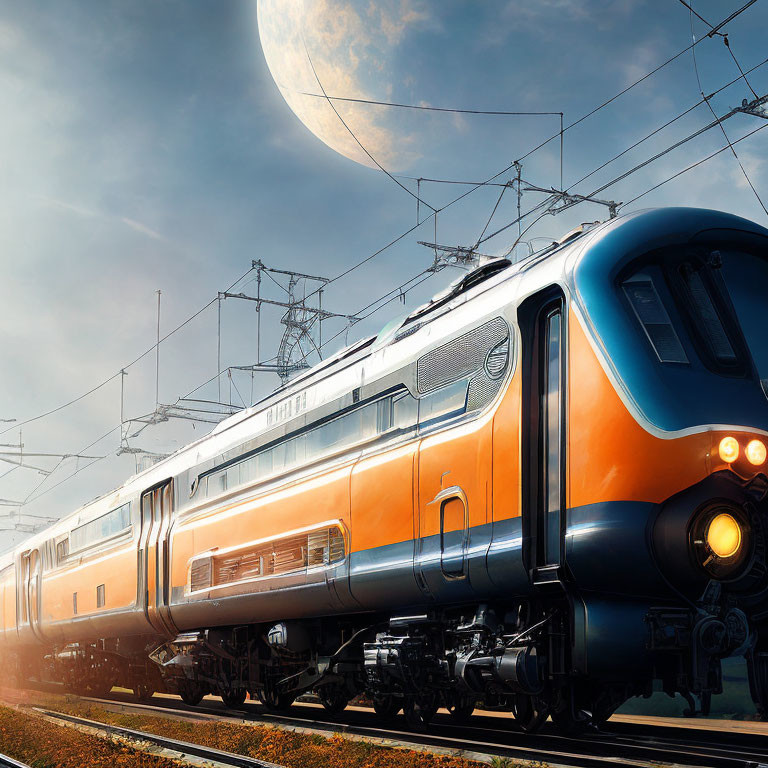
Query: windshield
(746,278)
(688,335)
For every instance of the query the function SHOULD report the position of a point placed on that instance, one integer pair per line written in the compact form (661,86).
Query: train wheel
(142,691)
(461,708)
(420,711)
(334,699)
(276,702)
(234,697)
(191,694)
(386,706)
(569,724)
(530,712)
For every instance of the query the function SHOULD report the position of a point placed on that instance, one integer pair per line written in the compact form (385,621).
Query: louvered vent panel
(336,545)
(317,547)
(459,358)
(286,555)
(200,574)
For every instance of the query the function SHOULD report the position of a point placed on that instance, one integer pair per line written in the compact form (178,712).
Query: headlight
(724,535)
(729,449)
(720,539)
(756,452)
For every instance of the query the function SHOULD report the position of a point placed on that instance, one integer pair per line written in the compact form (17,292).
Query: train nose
(715,530)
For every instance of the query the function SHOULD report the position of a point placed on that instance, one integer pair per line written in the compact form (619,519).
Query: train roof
(609,245)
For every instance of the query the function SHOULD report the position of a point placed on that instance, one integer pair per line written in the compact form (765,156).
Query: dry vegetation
(41,744)
(285,747)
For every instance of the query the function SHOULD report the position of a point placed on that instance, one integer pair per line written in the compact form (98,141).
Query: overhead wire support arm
(569,199)
(258,264)
(756,107)
(325,314)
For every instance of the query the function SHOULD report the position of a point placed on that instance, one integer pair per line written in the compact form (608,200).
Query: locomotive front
(681,320)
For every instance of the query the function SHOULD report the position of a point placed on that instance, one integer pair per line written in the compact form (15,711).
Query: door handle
(453,492)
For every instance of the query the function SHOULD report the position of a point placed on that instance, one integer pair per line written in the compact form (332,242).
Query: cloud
(80,210)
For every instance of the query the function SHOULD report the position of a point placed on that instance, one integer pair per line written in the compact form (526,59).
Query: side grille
(461,357)
(200,574)
(323,546)
(482,390)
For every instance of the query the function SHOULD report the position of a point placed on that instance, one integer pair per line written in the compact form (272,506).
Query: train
(544,491)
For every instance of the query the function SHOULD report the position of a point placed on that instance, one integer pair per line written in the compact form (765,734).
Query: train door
(543,320)
(154,576)
(31,568)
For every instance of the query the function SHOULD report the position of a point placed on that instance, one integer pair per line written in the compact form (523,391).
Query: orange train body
(507,496)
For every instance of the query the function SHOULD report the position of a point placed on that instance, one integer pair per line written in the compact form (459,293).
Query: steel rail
(9,762)
(183,747)
(593,749)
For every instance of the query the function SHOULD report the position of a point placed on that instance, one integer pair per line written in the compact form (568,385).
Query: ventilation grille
(482,390)
(461,357)
(323,546)
(200,574)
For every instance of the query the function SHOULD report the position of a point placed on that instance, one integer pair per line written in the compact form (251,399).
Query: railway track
(487,735)
(9,762)
(183,748)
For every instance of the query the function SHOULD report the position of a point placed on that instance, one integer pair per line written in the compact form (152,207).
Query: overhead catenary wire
(638,81)
(357,141)
(427,107)
(694,165)
(720,120)
(124,367)
(662,127)
(452,202)
(530,152)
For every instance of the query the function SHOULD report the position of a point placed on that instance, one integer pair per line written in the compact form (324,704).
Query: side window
(702,293)
(551,407)
(405,410)
(443,403)
(62,551)
(104,527)
(650,312)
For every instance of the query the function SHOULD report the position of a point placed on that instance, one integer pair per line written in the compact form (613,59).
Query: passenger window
(383,415)
(443,403)
(265,463)
(653,318)
(405,410)
(100,596)
(62,551)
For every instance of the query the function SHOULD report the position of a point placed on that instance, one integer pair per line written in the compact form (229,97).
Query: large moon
(352,45)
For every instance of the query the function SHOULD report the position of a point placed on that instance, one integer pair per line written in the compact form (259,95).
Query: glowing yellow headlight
(729,449)
(756,452)
(724,535)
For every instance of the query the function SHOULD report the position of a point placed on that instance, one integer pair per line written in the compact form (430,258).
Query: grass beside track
(275,744)
(41,744)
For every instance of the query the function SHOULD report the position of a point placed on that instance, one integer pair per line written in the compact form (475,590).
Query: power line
(694,165)
(639,80)
(123,368)
(665,125)
(359,143)
(427,107)
(488,181)
(698,16)
(718,120)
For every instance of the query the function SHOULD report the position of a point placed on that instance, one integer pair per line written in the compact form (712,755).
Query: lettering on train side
(287,409)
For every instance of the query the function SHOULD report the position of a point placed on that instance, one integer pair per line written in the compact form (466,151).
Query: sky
(145,145)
